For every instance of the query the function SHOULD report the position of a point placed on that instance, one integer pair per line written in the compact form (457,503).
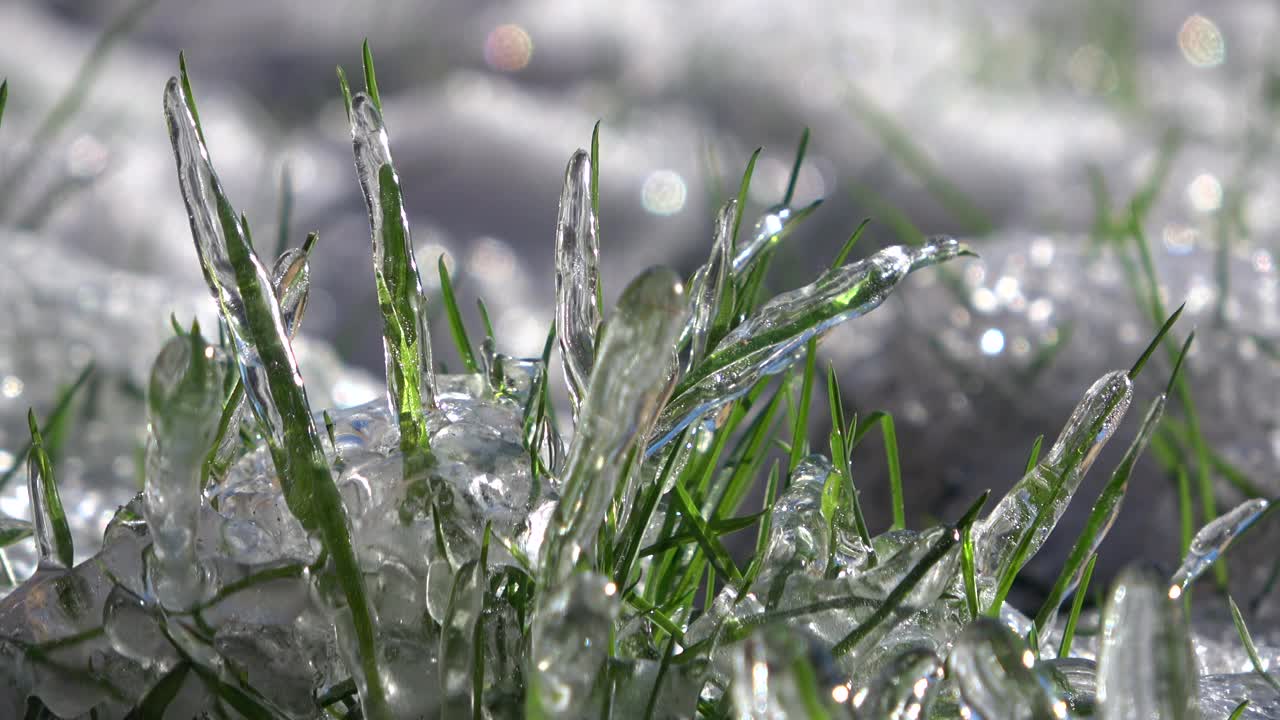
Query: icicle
(992,668)
(1146,668)
(406,338)
(1213,539)
(1028,513)
(707,288)
(577,278)
(774,338)
(53,535)
(799,539)
(626,390)
(457,641)
(184,399)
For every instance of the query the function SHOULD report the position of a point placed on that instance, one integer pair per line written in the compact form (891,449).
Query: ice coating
(799,538)
(992,668)
(906,687)
(577,257)
(570,641)
(772,227)
(707,287)
(1213,539)
(772,339)
(53,537)
(185,397)
(626,391)
(406,339)
(1145,667)
(1029,511)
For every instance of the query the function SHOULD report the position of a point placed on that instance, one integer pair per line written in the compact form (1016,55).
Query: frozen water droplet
(1213,539)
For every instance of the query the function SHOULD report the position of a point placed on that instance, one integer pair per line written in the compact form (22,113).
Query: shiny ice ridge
(439,552)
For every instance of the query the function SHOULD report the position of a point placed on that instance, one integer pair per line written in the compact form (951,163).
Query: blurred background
(1042,133)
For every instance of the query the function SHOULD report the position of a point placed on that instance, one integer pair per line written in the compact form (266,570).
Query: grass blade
(795,167)
(161,695)
(799,428)
(1069,633)
(53,534)
(742,193)
(52,419)
(456,326)
(4,98)
(1249,647)
(370,76)
(848,244)
(970,577)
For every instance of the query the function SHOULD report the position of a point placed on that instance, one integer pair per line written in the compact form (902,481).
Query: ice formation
(435,553)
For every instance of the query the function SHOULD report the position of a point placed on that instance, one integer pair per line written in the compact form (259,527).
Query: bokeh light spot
(508,48)
(1201,42)
(1205,193)
(663,192)
(992,342)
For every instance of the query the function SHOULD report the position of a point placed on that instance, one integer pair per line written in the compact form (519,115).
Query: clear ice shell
(1145,666)
(799,539)
(185,399)
(627,389)
(406,338)
(707,286)
(577,257)
(570,646)
(53,540)
(1047,489)
(1213,539)
(770,341)
(904,688)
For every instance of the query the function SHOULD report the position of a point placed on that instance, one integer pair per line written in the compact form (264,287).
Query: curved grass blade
(161,695)
(1249,647)
(53,535)
(54,418)
(1069,632)
(795,167)
(370,76)
(4,98)
(14,529)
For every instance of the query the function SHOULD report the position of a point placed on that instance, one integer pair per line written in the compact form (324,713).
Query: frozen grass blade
(456,325)
(1069,632)
(53,535)
(345,88)
(577,258)
(242,287)
(406,336)
(1247,640)
(970,577)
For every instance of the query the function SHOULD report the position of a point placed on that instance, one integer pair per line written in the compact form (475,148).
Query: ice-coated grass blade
(577,256)
(345,89)
(841,444)
(4,98)
(53,535)
(241,285)
(970,576)
(1069,632)
(190,96)
(54,418)
(162,694)
(768,342)
(711,290)
(456,326)
(13,529)
(617,412)
(406,337)
(1104,513)
(1252,650)
(1239,711)
(903,589)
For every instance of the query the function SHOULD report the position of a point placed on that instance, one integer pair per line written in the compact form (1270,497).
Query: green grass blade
(1155,342)
(285,213)
(652,704)
(800,427)
(710,546)
(890,435)
(848,244)
(456,326)
(190,96)
(1249,647)
(4,98)
(60,409)
(1034,456)
(1239,711)
(484,319)
(370,76)
(161,695)
(742,194)
(53,534)
(970,577)
(795,168)
(762,537)
(345,88)
(1069,633)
